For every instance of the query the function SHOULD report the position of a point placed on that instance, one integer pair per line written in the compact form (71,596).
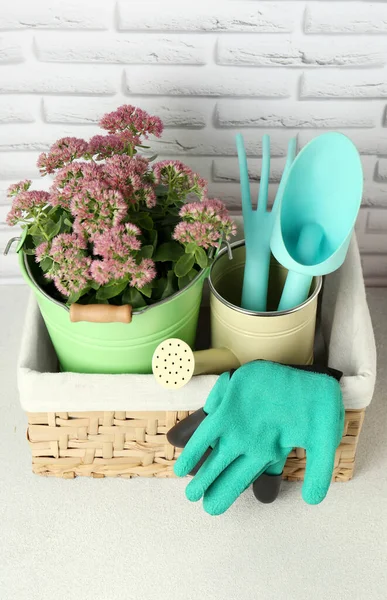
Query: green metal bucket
(114,348)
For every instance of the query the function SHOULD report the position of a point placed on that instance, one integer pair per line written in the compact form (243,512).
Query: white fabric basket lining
(345,327)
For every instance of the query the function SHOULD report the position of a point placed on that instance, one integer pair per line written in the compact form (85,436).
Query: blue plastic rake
(258,224)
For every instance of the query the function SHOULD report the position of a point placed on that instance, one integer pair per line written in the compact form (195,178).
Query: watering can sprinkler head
(174,363)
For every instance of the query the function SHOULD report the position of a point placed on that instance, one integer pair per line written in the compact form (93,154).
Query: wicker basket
(116,425)
(134,444)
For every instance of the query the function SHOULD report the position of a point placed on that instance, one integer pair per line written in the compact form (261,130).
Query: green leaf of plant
(145,222)
(146,251)
(111,290)
(62,227)
(174,210)
(158,210)
(50,211)
(92,299)
(153,238)
(67,222)
(146,290)
(52,228)
(184,281)
(171,286)
(191,248)
(24,235)
(38,239)
(34,230)
(75,296)
(161,190)
(169,221)
(28,243)
(46,264)
(158,288)
(184,264)
(169,251)
(201,257)
(133,297)
(94,285)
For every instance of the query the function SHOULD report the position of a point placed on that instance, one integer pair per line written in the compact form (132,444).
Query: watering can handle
(100,313)
(214,361)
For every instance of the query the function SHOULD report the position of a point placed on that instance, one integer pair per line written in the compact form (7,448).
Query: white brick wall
(208,69)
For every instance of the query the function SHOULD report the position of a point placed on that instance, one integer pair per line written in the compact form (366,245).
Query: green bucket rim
(23,261)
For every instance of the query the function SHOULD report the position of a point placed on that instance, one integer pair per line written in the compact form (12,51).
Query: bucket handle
(100,313)
(229,249)
(10,243)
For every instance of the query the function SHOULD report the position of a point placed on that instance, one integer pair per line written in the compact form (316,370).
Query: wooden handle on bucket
(100,313)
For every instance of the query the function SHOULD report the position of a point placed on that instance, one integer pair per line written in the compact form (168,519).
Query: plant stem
(42,231)
(37,222)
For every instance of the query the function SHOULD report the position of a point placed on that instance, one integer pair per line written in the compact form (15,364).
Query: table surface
(141,539)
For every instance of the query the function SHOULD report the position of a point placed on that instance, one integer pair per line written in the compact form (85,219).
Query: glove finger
(231,483)
(204,437)
(217,393)
(318,473)
(220,458)
(278,467)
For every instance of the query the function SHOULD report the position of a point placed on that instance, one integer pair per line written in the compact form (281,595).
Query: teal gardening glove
(255,418)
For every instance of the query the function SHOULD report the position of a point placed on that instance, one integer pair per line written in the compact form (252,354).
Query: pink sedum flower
(71,179)
(130,175)
(203,234)
(118,248)
(147,195)
(63,152)
(70,270)
(108,270)
(27,203)
(134,121)
(104,146)
(97,186)
(205,223)
(96,209)
(207,209)
(144,273)
(184,181)
(41,252)
(16,188)
(118,242)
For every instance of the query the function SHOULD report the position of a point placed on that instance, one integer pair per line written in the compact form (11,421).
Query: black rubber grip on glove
(181,432)
(267,487)
(179,435)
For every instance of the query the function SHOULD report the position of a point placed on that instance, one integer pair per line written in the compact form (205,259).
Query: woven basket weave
(126,443)
(134,444)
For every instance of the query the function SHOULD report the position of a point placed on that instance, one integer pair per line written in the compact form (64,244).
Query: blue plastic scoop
(319,206)
(258,224)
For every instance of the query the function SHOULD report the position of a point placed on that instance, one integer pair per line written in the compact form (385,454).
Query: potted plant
(116,230)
